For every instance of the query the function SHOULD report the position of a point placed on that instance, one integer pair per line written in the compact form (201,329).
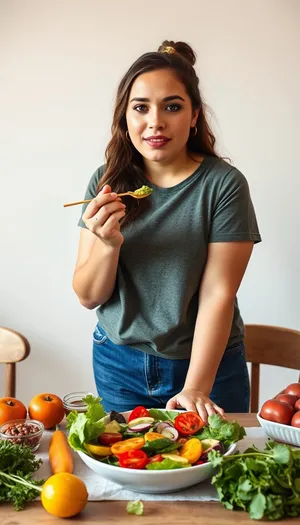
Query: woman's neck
(168,174)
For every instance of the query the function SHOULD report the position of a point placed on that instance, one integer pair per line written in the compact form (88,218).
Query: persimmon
(47,408)
(11,408)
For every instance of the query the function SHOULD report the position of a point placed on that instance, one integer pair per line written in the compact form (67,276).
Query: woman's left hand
(194,401)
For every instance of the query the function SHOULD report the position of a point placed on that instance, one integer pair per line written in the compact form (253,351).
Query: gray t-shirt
(154,304)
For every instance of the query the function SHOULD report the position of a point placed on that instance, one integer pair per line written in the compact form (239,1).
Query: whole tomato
(11,408)
(287,398)
(296,419)
(293,389)
(297,405)
(277,411)
(47,408)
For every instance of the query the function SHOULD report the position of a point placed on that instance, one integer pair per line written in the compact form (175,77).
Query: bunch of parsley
(265,483)
(17,464)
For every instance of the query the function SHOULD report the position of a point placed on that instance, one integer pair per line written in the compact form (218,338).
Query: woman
(164,271)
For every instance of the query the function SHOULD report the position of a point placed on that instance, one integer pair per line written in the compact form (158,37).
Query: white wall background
(61,61)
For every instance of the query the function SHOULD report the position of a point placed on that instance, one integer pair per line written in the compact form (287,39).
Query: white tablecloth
(100,489)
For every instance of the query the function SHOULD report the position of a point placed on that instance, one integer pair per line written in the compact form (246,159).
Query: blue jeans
(126,378)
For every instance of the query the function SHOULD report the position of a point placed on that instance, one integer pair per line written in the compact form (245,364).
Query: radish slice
(170,433)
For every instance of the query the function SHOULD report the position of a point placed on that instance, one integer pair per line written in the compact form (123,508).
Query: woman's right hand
(102,217)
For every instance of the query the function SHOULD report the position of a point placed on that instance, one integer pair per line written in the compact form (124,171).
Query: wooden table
(155,512)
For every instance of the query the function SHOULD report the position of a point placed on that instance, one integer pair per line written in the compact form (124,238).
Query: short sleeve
(91,191)
(234,217)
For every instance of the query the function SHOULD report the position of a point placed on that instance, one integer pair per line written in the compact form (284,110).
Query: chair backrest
(270,345)
(14,347)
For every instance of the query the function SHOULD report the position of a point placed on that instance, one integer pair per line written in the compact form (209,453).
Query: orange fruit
(64,495)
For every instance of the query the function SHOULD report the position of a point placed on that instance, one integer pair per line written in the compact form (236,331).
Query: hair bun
(181,48)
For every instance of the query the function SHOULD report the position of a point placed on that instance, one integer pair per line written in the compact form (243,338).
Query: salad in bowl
(141,449)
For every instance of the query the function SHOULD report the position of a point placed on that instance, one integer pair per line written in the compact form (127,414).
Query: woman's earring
(195,131)
(127,136)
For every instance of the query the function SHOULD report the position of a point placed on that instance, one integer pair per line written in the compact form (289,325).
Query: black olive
(115,416)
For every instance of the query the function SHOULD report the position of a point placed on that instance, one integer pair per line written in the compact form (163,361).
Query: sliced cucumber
(140,421)
(179,459)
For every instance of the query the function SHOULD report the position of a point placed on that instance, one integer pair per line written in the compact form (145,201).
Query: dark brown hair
(124,164)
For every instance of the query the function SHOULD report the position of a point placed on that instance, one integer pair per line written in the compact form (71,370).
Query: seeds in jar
(19,431)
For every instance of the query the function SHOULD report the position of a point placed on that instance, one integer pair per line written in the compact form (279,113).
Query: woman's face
(159,116)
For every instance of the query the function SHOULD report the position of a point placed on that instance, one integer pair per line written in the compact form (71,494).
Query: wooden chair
(270,345)
(14,347)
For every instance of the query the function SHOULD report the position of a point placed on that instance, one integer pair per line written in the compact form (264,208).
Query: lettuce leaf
(135,507)
(86,427)
(166,464)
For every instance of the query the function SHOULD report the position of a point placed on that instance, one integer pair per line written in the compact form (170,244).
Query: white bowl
(152,481)
(278,432)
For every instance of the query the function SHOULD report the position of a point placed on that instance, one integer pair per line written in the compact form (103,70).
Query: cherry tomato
(296,419)
(156,458)
(138,412)
(297,405)
(200,462)
(133,459)
(277,411)
(109,438)
(127,445)
(287,398)
(153,436)
(293,389)
(191,450)
(188,423)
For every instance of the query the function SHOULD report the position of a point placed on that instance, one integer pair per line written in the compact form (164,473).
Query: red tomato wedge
(156,458)
(138,412)
(188,423)
(133,459)
(109,438)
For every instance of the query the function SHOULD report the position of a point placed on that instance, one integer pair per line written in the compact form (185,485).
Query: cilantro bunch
(17,464)
(228,432)
(265,483)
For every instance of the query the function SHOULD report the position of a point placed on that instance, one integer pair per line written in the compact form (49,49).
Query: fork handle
(89,200)
(78,202)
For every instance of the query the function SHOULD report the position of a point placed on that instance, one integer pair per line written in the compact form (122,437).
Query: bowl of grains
(23,432)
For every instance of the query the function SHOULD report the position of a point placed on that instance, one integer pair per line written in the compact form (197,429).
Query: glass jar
(74,401)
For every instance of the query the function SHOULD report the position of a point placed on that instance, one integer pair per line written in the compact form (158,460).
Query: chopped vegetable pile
(144,190)
(150,439)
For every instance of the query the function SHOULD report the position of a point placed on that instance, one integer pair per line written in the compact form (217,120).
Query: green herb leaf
(282,454)
(159,415)
(257,507)
(218,428)
(135,507)
(157,445)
